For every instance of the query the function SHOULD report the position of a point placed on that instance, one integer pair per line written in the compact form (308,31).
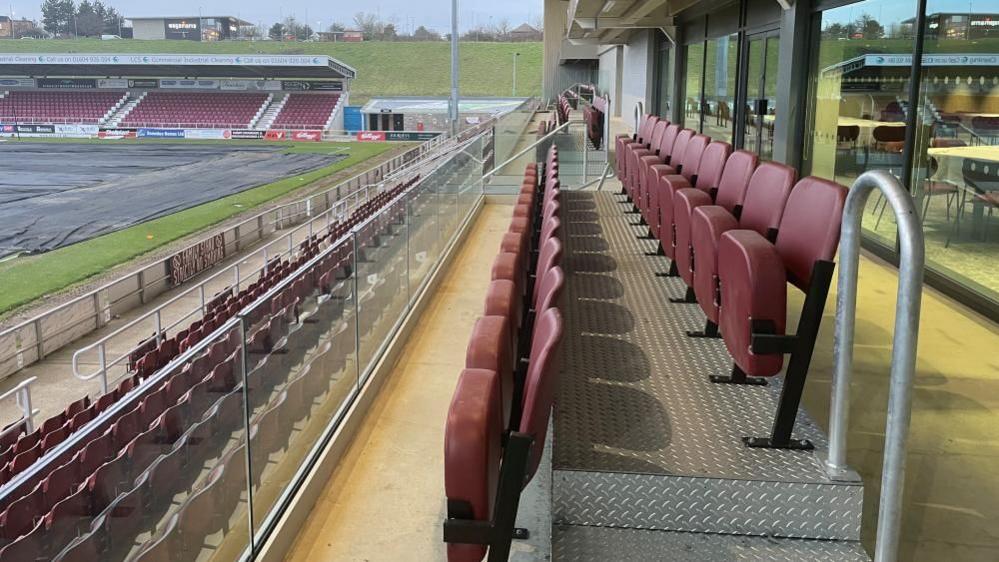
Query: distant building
(12,29)
(956,25)
(190,28)
(346,36)
(525,32)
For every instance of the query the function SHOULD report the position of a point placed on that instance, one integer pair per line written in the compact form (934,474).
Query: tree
(276,32)
(252,32)
(336,26)
(88,23)
(869,27)
(502,30)
(57,16)
(424,34)
(389,33)
(370,24)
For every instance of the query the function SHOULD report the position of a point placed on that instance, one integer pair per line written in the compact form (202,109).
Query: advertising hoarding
(146,133)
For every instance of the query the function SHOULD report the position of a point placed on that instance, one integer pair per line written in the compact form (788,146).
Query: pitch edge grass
(25,279)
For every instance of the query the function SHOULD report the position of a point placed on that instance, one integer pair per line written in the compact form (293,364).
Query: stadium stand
(184,109)
(85,107)
(306,111)
(498,418)
(106,496)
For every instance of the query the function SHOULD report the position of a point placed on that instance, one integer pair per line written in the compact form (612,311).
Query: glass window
(722,66)
(692,86)
(956,164)
(859,96)
(665,82)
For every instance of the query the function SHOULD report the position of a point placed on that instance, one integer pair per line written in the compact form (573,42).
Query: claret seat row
(497,422)
(736,231)
(95,500)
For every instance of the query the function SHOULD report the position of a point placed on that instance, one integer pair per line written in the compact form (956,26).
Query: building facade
(835,88)
(188,28)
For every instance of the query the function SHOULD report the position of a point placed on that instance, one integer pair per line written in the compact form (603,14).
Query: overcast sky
(407,13)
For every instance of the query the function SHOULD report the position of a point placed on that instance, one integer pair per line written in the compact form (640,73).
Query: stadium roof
(192,66)
(440,105)
(194,17)
(900,65)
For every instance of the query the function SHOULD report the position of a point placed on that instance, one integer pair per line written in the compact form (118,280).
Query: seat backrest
(680,146)
(473,436)
(551,289)
(712,165)
(810,227)
(766,196)
(658,131)
(490,348)
(739,168)
(549,257)
(645,131)
(551,228)
(540,383)
(665,146)
(691,160)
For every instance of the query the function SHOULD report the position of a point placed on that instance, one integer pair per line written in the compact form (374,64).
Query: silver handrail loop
(903,359)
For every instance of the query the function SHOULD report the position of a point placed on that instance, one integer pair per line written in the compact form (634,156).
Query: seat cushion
(685,200)
(489,347)
(707,224)
(753,288)
(509,266)
(473,436)
(642,182)
(502,299)
(668,185)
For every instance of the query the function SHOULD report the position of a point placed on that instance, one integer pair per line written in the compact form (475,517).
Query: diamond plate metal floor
(642,438)
(578,544)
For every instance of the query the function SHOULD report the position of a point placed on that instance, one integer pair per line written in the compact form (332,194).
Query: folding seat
(666,185)
(662,153)
(11,433)
(84,549)
(641,136)
(123,521)
(55,437)
(763,205)
(722,180)
(125,386)
(96,453)
(511,267)
(22,514)
(71,516)
(109,480)
(754,273)
(60,483)
(482,477)
(106,400)
(143,450)
(229,417)
(634,153)
(77,407)
(25,459)
(127,427)
(151,408)
(489,348)
(472,451)
(28,548)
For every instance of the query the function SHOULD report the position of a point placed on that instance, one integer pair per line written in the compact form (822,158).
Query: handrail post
(102,357)
(903,360)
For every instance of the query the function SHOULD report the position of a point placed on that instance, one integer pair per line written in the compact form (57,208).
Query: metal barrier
(22,394)
(331,216)
(903,359)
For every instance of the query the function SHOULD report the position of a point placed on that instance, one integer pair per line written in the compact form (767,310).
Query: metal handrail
(22,394)
(903,359)
(337,210)
(530,147)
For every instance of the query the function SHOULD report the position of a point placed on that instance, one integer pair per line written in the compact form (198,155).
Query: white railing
(22,394)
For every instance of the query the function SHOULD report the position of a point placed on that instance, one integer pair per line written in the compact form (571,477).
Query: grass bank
(384,68)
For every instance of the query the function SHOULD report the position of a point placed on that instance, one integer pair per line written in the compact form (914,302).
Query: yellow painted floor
(952,481)
(386,500)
